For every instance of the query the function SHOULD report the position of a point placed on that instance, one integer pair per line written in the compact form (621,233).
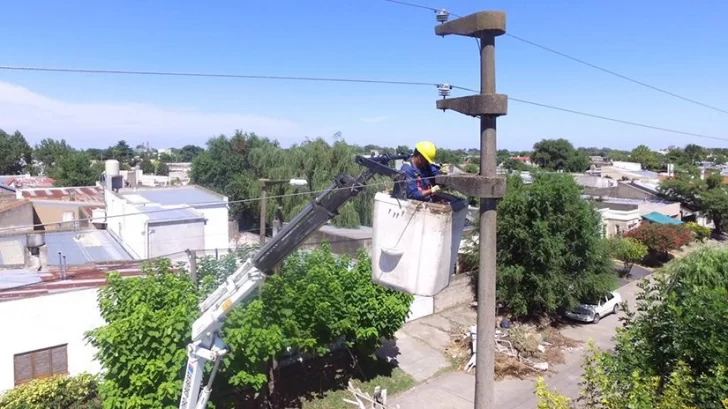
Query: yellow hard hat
(427,150)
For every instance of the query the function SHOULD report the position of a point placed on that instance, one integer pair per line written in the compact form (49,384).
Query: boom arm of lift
(240,287)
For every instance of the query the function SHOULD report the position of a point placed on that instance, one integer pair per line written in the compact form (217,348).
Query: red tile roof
(91,194)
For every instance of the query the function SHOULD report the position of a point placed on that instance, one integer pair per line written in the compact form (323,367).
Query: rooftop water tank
(415,244)
(112,168)
(34,240)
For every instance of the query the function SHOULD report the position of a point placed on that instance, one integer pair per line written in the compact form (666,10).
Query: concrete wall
(668,209)
(51,214)
(217,229)
(169,238)
(20,216)
(627,191)
(339,244)
(459,292)
(51,320)
(617,222)
(126,223)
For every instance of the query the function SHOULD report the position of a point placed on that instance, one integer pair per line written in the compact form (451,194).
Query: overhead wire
(583,62)
(353,80)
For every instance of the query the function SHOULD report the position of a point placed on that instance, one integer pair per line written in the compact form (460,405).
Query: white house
(45,336)
(161,221)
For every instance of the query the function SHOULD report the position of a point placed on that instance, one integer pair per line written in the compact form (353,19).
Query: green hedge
(58,392)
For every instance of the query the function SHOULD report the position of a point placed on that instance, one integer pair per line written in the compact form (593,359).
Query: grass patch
(397,381)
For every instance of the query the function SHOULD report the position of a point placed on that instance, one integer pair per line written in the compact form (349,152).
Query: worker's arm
(414,188)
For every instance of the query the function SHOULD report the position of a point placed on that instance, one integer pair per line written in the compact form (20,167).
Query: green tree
(147,167)
(49,152)
(674,347)
(515,164)
(317,299)
(189,152)
(121,152)
(550,251)
(162,169)
(16,156)
(708,195)
(559,154)
(628,251)
(142,346)
(645,156)
(75,169)
(61,391)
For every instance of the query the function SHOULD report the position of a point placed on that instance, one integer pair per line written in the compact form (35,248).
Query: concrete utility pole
(488,105)
(192,257)
(265,184)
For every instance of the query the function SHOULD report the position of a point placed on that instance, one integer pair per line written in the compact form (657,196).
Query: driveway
(637,273)
(455,390)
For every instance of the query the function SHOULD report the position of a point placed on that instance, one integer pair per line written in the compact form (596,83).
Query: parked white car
(596,310)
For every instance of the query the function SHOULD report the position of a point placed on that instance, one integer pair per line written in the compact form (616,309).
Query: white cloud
(94,124)
(375,119)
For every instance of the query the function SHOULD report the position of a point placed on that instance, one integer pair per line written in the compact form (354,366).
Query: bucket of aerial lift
(415,244)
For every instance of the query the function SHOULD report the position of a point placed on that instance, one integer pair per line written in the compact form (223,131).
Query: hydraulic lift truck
(240,287)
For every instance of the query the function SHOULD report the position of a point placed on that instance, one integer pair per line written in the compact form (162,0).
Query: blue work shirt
(417,180)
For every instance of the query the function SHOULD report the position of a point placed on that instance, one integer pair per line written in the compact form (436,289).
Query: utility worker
(420,171)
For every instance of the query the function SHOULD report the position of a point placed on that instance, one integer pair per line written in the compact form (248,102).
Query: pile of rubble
(521,350)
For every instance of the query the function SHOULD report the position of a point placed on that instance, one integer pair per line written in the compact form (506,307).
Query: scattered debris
(365,401)
(521,350)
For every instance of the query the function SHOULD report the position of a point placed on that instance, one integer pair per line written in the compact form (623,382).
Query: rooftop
(194,196)
(80,248)
(621,200)
(157,213)
(27,283)
(659,218)
(20,181)
(89,194)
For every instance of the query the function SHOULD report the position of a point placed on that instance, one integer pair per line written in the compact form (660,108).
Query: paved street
(455,390)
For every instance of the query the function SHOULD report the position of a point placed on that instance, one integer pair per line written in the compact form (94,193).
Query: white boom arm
(207,345)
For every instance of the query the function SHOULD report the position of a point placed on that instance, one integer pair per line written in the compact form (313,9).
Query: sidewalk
(421,344)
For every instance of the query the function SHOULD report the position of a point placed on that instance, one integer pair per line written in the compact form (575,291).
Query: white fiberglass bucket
(415,244)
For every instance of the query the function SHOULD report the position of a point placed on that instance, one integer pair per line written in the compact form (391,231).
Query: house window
(41,363)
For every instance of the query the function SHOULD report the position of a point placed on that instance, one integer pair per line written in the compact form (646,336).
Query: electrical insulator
(442,15)
(444,90)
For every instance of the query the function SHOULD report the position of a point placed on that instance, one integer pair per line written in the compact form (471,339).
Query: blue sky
(669,44)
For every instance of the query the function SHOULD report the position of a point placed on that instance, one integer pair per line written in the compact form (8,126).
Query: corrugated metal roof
(660,218)
(80,248)
(188,195)
(15,278)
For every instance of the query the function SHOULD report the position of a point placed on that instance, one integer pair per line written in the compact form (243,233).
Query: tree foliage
(559,154)
(61,391)
(627,250)
(162,169)
(147,167)
(673,353)
(15,154)
(709,195)
(75,169)
(49,153)
(316,300)
(550,251)
(646,157)
(661,238)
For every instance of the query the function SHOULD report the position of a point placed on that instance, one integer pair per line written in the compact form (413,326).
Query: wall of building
(627,191)
(127,224)
(47,321)
(19,217)
(51,215)
(165,239)
(668,209)
(617,222)
(217,229)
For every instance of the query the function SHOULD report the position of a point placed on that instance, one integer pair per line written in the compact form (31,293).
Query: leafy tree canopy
(15,154)
(559,154)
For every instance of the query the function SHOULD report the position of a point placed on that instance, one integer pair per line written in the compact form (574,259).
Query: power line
(605,118)
(618,75)
(209,75)
(350,80)
(583,62)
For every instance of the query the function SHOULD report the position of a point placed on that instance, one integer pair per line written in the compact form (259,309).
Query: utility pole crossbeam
(488,186)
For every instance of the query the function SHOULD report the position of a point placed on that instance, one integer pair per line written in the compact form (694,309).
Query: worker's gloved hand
(435,189)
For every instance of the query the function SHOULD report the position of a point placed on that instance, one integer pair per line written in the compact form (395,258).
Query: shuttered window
(41,363)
